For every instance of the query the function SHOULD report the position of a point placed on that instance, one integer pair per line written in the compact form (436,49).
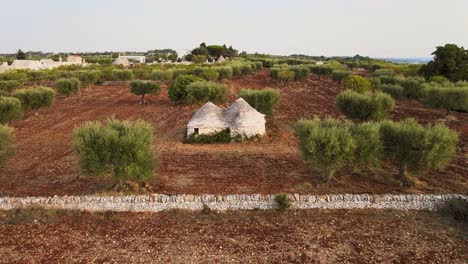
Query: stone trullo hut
(241,119)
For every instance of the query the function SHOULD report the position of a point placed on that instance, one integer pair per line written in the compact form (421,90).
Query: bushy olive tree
(67,86)
(365,107)
(178,88)
(7,149)
(143,88)
(10,109)
(417,148)
(327,144)
(36,97)
(120,147)
(357,83)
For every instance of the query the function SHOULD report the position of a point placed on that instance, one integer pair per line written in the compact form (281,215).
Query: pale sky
(377,28)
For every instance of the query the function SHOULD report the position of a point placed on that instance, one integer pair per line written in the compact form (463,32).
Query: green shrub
(376,85)
(369,148)
(199,59)
(122,75)
(89,77)
(178,88)
(395,90)
(246,68)
(122,147)
(179,71)
(453,98)
(162,75)
(327,144)
(413,87)
(321,70)
(383,72)
(388,79)
(300,72)
(225,72)
(141,73)
(441,80)
(203,91)
(9,86)
(417,148)
(209,74)
(236,69)
(36,97)
(67,86)
(282,202)
(143,88)
(223,136)
(7,149)
(262,100)
(340,75)
(357,83)
(10,109)
(364,107)
(258,65)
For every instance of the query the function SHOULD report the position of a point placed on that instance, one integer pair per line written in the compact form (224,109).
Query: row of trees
(211,52)
(331,144)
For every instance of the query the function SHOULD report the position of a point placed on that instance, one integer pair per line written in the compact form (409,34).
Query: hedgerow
(339,76)
(9,86)
(122,75)
(209,74)
(225,72)
(204,91)
(451,98)
(364,107)
(162,75)
(395,90)
(36,97)
(223,136)
(262,100)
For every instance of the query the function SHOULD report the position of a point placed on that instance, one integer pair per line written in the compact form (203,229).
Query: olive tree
(143,88)
(417,148)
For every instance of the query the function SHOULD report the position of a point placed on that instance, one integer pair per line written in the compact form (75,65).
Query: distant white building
(42,64)
(140,59)
(121,61)
(241,119)
(221,59)
(26,65)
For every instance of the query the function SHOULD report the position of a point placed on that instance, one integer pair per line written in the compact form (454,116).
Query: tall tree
(450,61)
(20,55)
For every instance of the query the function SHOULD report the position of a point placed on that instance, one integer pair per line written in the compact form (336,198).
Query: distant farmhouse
(240,118)
(42,64)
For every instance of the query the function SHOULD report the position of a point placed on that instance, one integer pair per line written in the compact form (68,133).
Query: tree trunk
(404,178)
(142,98)
(328,175)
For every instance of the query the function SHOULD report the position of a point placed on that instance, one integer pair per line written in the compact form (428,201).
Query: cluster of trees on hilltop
(449,61)
(211,52)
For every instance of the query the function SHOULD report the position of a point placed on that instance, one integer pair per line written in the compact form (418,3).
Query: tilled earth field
(45,163)
(312,236)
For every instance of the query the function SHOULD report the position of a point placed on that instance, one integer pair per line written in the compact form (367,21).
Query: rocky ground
(312,236)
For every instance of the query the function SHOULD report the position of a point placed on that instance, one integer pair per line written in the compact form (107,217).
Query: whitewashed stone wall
(159,202)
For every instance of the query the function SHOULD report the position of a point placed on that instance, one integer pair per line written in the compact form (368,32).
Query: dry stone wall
(159,202)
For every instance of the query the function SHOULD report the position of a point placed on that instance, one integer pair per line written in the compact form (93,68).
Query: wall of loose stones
(159,202)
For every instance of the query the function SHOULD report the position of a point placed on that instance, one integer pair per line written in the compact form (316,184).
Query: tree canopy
(449,61)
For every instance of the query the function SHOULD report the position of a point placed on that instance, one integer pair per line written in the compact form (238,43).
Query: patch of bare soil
(312,236)
(45,163)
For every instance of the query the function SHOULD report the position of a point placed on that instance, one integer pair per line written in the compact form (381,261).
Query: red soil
(45,163)
(310,236)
